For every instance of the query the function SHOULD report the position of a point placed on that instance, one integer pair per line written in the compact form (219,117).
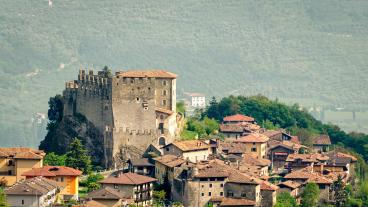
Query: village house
(321,143)
(307,175)
(17,160)
(110,197)
(238,125)
(65,177)
(291,187)
(164,167)
(261,164)
(132,185)
(300,161)
(278,151)
(268,194)
(208,181)
(141,166)
(192,150)
(35,192)
(254,143)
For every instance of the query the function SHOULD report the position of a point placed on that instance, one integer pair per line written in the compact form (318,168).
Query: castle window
(163,102)
(137,99)
(164,92)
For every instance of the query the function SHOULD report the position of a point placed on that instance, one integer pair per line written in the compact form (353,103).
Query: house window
(164,83)
(202,194)
(115,186)
(22,202)
(209,193)
(164,92)
(163,102)
(211,185)
(62,179)
(322,186)
(221,193)
(221,185)
(162,142)
(230,193)
(243,194)
(10,163)
(254,149)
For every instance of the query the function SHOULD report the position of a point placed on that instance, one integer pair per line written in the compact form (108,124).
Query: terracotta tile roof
(236,148)
(308,175)
(165,111)
(146,73)
(322,140)
(286,144)
(239,117)
(141,162)
(272,133)
(249,158)
(22,153)
(128,179)
(335,155)
(236,202)
(52,171)
(170,160)
(290,184)
(265,185)
(316,157)
(237,128)
(255,137)
(237,177)
(106,193)
(213,168)
(190,145)
(35,186)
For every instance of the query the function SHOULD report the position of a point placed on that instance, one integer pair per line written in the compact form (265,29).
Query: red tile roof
(290,184)
(316,157)
(146,73)
(165,111)
(52,171)
(22,153)
(190,145)
(322,140)
(239,117)
(236,202)
(255,137)
(35,186)
(128,179)
(265,185)
(169,160)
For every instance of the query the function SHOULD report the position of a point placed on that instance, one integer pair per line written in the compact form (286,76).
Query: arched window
(161,141)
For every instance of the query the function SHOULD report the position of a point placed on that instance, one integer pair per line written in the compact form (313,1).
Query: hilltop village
(147,163)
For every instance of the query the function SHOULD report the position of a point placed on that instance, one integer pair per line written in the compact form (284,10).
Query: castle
(135,110)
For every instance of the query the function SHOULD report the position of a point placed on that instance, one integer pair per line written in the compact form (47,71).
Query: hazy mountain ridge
(306,51)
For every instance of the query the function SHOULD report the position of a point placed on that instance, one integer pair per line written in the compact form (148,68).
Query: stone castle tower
(135,110)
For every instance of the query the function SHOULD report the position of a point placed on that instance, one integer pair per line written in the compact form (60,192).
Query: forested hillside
(311,52)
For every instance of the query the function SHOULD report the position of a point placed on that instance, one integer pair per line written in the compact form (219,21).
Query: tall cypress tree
(77,157)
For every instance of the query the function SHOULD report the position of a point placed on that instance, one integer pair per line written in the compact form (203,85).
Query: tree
(3,201)
(180,107)
(309,197)
(267,124)
(92,181)
(211,126)
(340,193)
(284,199)
(213,110)
(106,72)
(159,197)
(56,108)
(77,157)
(53,159)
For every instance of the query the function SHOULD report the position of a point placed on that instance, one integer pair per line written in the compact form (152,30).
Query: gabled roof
(255,137)
(308,175)
(128,179)
(141,162)
(333,155)
(146,73)
(34,186)
(239,117)
(22,153)
(106,193)
(316,157)
(271,133)
(170,160)
(265,185)
(190,145)
(52,171)
(322,140)
(249,158)
(290,184)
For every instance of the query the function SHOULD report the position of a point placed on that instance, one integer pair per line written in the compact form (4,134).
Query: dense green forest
(310,52)
(293,118)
